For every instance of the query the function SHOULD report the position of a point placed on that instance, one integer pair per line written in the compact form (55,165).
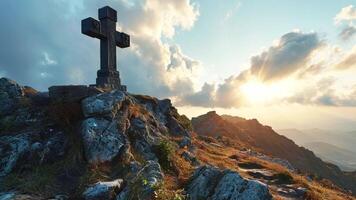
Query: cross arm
(91,27)
(122,40)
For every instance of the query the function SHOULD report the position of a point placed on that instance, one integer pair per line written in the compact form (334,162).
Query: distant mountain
(344,158)
(346,140)
(297,136)
(265,140)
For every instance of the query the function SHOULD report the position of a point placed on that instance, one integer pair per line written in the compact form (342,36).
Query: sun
(257,92)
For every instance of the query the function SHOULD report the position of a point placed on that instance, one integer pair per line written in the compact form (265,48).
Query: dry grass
(219,157)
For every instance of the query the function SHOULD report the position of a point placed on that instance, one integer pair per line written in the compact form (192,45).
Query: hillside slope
(264,139)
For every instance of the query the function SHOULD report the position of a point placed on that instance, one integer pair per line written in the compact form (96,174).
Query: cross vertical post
(105,30)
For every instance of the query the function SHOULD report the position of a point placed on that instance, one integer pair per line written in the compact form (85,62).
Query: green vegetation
(164,151)
(7,123)
(162,193)
(284,178)
(40,180)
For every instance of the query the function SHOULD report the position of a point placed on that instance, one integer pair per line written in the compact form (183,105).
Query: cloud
(291,53)
(348,61)
(348,32)
(347,13)
(203,98)
(323,92)
(44,44)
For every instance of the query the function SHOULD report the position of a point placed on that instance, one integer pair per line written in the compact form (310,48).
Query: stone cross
(105,30)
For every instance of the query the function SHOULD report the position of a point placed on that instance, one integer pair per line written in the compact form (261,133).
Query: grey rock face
(25,148)
(185,142)
(203,182)
(12,148)
(190,158)
(10,93)
(15,196)
(102,103)
(210,183)
(233,186)
(103,190)
(144,181)
(102,140)
(176,128)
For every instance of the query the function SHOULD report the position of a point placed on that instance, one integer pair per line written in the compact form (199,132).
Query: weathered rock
(103,190)
(12,148)
(176,128)
(102,103)
(48,150)
(60,197)
(13,195)
(7,195)
(144,149)
(71,93)
(233,186)
(102,140)
(185,142)
(10,94)
(142,185)
(203,182)
(31,148)
(210,183)
(190,158)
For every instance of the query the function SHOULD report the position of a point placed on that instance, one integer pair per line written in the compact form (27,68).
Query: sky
(290,64)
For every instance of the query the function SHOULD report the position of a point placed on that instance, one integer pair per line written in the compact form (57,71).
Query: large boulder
(12,148)
(10,94)
(103,190)
(102,140)
(203,182)
(233,186)
(103,103)
(211,183)
(142,185)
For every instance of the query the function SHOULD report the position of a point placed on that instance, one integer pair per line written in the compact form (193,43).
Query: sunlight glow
(259,93)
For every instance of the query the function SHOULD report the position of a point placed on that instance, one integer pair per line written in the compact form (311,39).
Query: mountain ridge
(269,142)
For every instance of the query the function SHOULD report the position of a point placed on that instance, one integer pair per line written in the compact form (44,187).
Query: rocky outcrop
(103,190)
(30,148)
(211,183)
(72,140)
(102,140)
(141,186)
(10,95)
(188,156)
(103,103)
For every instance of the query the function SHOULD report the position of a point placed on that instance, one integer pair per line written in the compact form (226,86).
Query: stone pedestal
(71,93)
(109,79)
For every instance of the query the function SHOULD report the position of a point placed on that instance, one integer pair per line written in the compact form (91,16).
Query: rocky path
(281,183)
